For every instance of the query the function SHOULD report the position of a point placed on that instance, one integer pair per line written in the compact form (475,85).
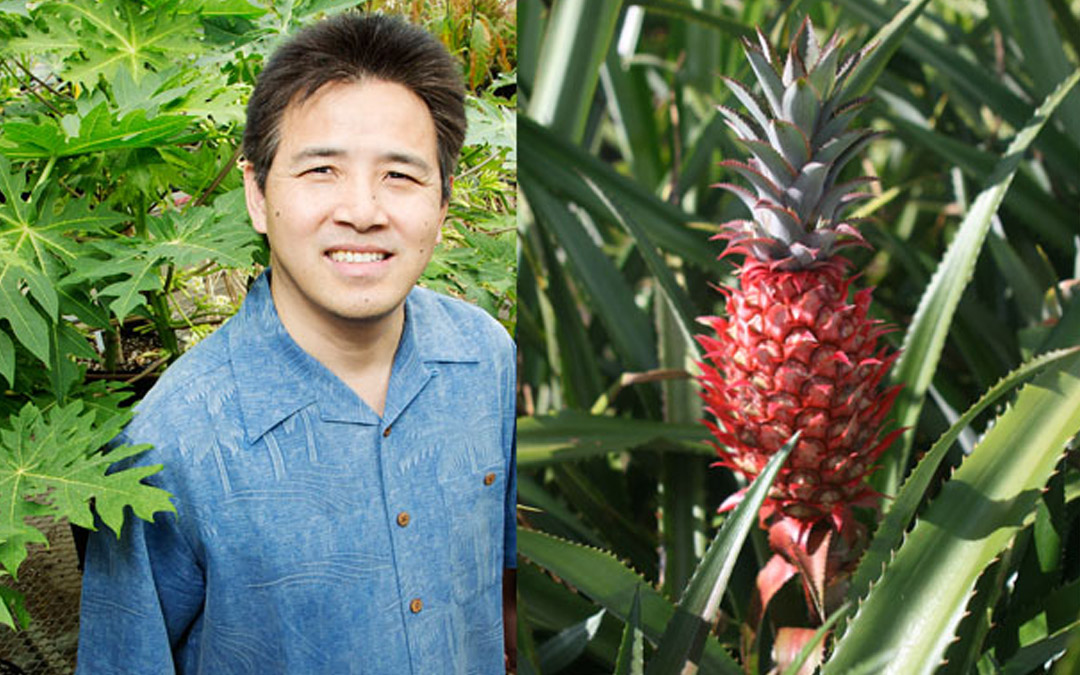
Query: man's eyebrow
(391,156)
(406,158)
(308,153)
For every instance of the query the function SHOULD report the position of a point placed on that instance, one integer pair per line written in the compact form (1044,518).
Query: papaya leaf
(99,130)
(101,38)
(925,338)
(37,241)
(216,233)
(988,500)
(687,632)
(7,358)
(26,321)
(52,465)
(13,612)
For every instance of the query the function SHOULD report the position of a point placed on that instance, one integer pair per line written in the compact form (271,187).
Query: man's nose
(358,204)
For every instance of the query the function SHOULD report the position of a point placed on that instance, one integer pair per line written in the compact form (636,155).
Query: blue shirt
(311,535)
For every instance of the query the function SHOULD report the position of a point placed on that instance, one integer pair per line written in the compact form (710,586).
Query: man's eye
(319,170)
(397,175)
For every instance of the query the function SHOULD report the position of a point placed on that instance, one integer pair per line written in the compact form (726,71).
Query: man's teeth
(356,256)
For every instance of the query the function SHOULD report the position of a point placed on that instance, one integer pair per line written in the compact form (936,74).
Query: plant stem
(159,308)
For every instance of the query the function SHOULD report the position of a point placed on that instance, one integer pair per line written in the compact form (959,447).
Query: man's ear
(256,200)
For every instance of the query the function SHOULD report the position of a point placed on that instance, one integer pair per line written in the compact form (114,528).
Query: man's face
(352,204)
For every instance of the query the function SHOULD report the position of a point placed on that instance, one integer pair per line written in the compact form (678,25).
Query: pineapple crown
(799,140)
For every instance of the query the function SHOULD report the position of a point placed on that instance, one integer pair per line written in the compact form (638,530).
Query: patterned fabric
(311,535)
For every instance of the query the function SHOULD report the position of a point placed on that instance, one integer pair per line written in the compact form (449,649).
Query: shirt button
(415,605)
(403,518)
(386,432)
(489,479)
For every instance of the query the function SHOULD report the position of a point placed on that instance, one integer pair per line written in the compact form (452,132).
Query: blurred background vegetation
(124,238)
(620,140)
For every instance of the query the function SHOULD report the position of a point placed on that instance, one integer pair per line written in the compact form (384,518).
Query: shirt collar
(275,377)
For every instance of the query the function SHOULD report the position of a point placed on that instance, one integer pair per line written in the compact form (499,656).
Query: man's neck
(360,352)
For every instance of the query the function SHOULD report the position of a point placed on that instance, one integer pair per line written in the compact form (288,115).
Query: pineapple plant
(794,353)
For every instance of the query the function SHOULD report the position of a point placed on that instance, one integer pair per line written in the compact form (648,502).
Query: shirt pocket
(474,496)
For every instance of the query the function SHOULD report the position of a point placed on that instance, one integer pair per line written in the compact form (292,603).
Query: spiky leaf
(974,517)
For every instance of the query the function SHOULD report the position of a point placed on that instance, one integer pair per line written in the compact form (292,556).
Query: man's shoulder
(443,315)
(181,392)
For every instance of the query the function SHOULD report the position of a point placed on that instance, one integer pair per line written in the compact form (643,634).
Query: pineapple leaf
(970,79)
(564,164)
(675,294)
(626,323)
(766,188)
(975,516)
(772,163)
(686,633)
(801,106)
(902,509)
(841,196)
(631,659)
(837,145)
(600,576)
(740,124)
(749,101)
(806,43)
(806,192)
(574,435)
(823,73)
(925,338)
(770,82)
(839,121)
(791,141)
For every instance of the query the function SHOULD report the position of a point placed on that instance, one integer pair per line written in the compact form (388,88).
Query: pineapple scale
(794,354)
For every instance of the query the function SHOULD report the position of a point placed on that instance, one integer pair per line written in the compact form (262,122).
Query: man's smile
(342,255)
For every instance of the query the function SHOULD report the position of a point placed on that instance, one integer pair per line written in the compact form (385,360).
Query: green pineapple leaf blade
(612,296)
(685,312)
(600,576)
(925,338)
(577,39)
(819,635)
(887,41)
(572,435)
(990,497)
(686,633)
(563,165)
(631,659)
(902,509)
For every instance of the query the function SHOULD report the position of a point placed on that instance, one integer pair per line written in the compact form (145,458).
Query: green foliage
(619,148)
(124,236)
(52,464)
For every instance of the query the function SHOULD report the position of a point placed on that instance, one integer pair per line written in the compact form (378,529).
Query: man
(341,451)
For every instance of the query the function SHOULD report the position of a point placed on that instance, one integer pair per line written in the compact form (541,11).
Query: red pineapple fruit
(793,353)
